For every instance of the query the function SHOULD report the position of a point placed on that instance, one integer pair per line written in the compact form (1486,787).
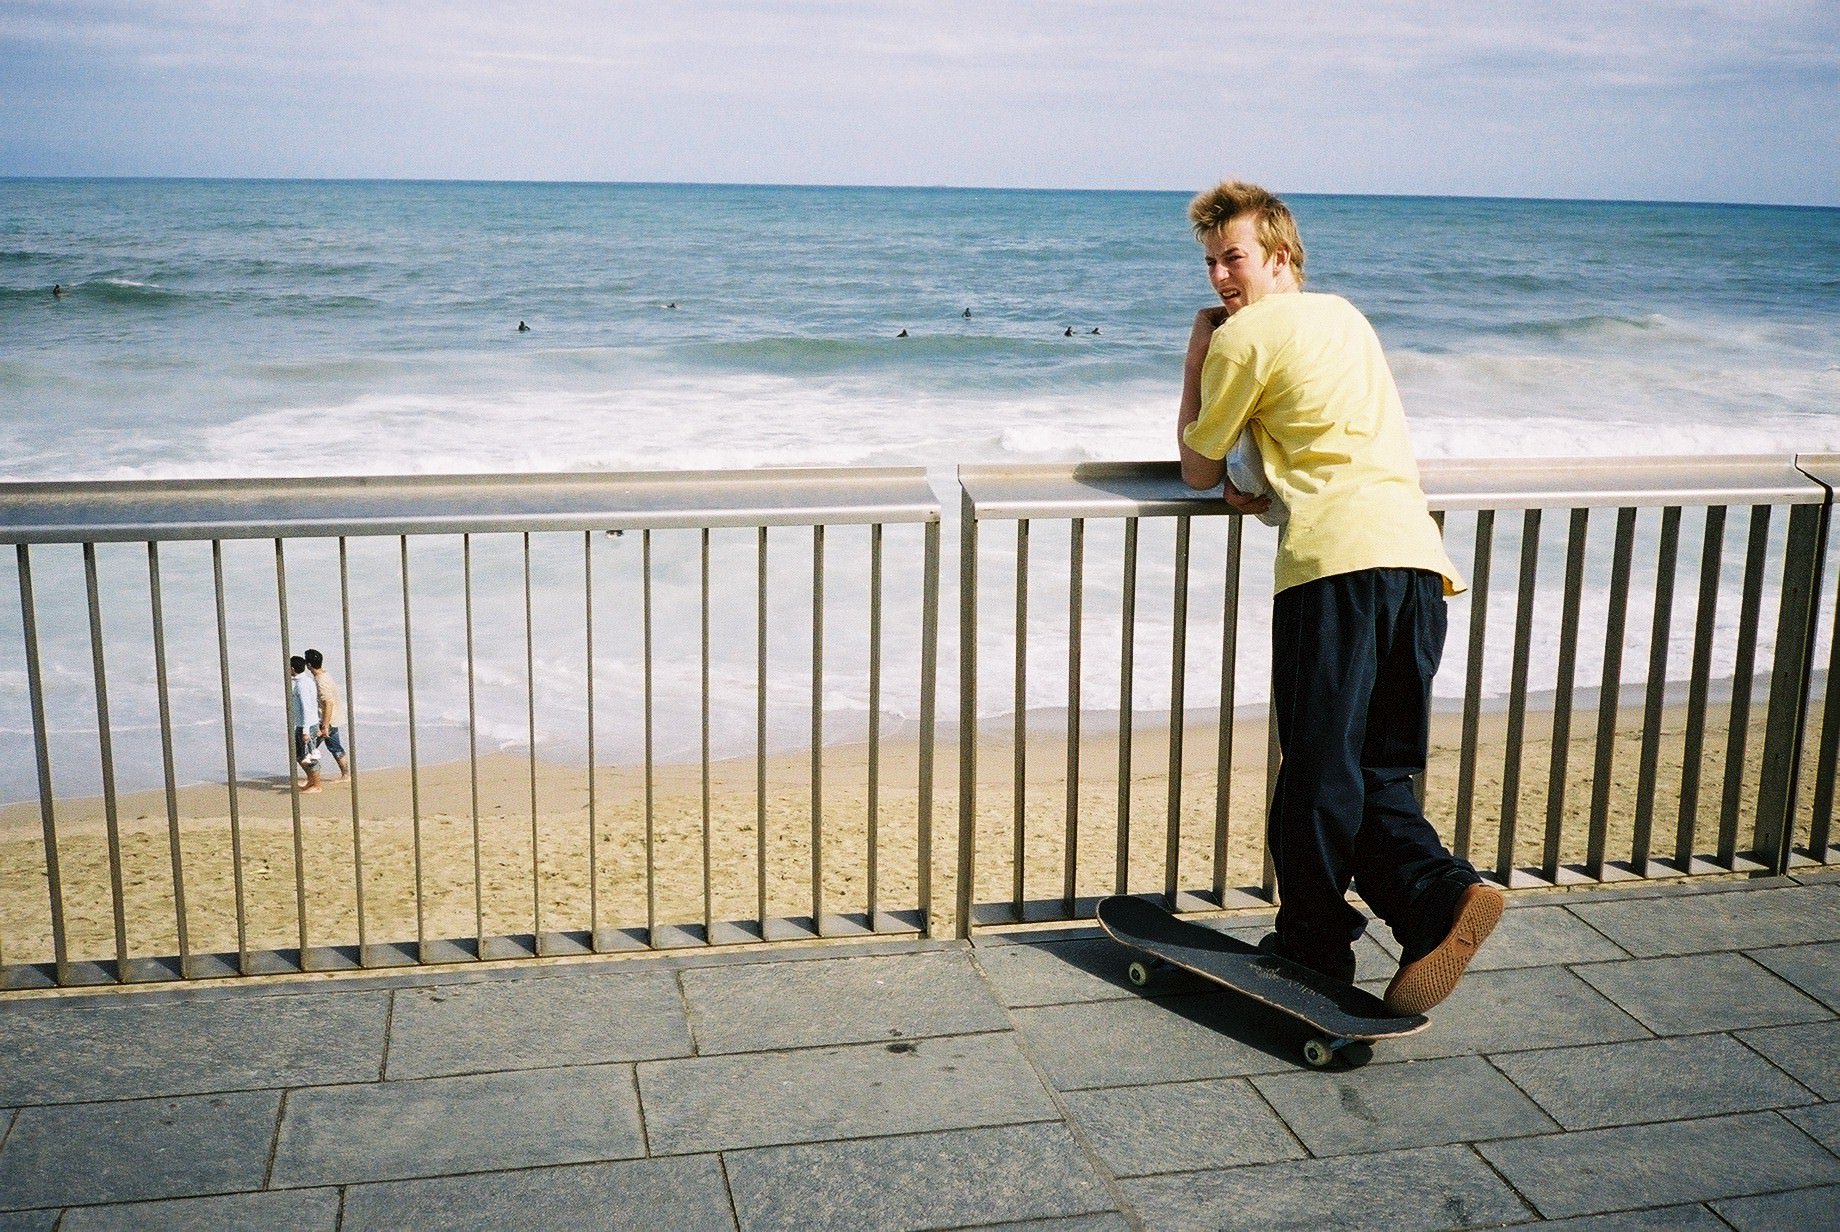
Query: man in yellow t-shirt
(1358,616)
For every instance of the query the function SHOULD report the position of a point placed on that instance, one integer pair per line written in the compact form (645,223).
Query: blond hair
(1212,210)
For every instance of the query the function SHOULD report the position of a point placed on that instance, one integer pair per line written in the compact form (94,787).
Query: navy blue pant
(1352,660)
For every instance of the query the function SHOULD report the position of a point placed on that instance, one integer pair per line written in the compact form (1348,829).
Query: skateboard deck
(1348,1018)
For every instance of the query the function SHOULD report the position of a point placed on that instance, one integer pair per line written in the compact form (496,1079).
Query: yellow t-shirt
(1306,370)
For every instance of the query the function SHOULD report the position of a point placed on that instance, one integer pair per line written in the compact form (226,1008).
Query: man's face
(1240,269)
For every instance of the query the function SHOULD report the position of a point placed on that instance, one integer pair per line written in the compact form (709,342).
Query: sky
(1699,101)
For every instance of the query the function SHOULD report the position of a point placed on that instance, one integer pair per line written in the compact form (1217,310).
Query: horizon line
(987,188)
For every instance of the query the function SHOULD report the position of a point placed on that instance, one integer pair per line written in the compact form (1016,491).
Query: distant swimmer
(967,312)
(902,334)
(1069,332)
(1095,329)
(57,290)
(523,328)
(672,304)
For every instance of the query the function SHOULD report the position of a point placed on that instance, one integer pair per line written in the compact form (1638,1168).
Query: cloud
(1330,94)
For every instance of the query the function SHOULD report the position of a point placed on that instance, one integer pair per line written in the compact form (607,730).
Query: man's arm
(1198,470)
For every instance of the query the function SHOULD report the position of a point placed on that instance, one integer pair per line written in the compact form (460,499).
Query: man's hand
(1253,505)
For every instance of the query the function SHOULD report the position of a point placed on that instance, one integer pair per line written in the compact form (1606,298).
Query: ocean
(223,328)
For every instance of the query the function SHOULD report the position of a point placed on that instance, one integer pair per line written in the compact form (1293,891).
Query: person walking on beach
(328,711)
(1358,617)
(303,717)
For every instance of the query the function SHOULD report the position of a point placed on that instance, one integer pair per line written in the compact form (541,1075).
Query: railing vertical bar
(1480,568)
(594,879)
(651,816)
(967,708)
(709,921)
(760,728)
(1791,702)
(929,688)
(472,750)
(41,747)
(530,719)
(1816,528)
(1178,680)
(415,776)
(287,640)
(166,758)
(1654,704)
(1019,742)
(1076,602)
(817,729)
(230,784)
(1609,690)
(1711,554)
(105,746)
(873,822)
(1744,670)
(1517,696)
(1564,683)
(351,751)
(1127,654)
(1229,670)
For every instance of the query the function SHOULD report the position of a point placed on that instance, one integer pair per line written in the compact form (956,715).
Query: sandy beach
(486,879)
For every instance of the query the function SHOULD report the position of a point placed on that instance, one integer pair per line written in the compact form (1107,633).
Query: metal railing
(1693,762)
(614,712)
(641,862)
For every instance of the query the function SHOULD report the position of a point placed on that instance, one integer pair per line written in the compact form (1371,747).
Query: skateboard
(1348,1019)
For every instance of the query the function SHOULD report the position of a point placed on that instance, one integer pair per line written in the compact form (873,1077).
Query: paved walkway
(1662,1057)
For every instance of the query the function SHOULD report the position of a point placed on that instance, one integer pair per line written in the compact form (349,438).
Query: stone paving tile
(1661,1219)
(641,1195)
(1107,1221)
(1691,924)
(918,1181)
(551,1020)
(474,1123)
(838,1001)
(1810,1052)
(1589,1171)
(1821,1122)
(1815,969)
(856,1090)
(1056,973)
(1223,1123)
(1501,1011)
(1796,1211)
(134,1149)
(1163,1039)
(125,1048)
(1421,1190)
(1391,1107)
(291,1210)
(1701,992)
(1543,937)
(1650,1080)
(28,1221)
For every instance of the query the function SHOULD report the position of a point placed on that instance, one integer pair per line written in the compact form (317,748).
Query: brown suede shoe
(1426,981)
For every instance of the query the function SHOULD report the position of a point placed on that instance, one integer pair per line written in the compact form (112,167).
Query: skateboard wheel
(1318,1053)
(1357,1053)
(1139,974)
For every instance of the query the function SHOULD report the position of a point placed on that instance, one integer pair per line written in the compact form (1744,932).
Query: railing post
(1787,717)
(967,706)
